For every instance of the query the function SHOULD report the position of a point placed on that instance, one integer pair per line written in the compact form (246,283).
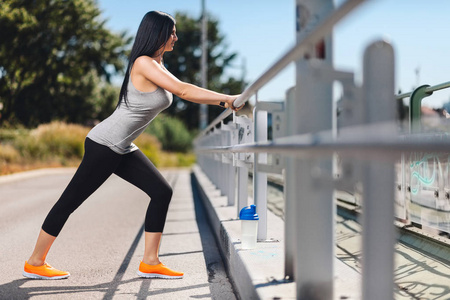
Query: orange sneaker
(157,271)
(43,272)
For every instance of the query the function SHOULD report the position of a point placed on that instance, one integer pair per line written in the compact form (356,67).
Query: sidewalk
(102,242)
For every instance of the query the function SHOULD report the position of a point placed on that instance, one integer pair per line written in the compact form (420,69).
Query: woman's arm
(150,69)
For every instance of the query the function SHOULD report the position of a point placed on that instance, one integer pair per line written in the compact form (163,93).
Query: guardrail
(415,103)
(422,177)
(307,141)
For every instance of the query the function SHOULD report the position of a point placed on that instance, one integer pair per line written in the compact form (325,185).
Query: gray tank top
(126,123)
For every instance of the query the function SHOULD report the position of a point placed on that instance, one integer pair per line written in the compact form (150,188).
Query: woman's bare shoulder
(145,62)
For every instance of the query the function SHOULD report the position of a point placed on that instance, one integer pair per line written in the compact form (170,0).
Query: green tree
(184,63)
(56,60)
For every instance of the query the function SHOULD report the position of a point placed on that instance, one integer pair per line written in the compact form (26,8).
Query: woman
(147,89)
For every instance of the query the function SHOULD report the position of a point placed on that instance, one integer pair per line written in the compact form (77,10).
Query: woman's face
(171,41)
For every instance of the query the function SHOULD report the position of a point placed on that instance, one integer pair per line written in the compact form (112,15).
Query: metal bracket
(245,135)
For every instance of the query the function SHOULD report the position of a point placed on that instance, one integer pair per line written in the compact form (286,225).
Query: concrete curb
(256,273)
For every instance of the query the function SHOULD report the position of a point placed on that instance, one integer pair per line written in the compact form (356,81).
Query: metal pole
(314,205)
(245,135)
(378,178)
(234,141)
(260,178)
(290,183)
(204,65)
(230,138)
(415,103)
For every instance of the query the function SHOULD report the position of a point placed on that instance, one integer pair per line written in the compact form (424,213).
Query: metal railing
(306,139)
(322,29)
(422,178)
(415,103)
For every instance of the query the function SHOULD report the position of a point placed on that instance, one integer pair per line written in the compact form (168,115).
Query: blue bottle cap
(248,213)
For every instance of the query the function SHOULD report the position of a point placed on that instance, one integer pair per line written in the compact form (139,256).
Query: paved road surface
(102,243)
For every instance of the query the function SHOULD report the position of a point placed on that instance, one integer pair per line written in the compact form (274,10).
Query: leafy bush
(9,133)
(60,144)
(172,133)
(150,146)
(172,159)
(53,139)
(185,159)
(8,153)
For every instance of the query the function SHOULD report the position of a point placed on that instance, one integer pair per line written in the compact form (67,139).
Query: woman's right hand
(230,103)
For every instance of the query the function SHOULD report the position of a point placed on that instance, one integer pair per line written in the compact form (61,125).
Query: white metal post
(242,188)
(315,210)
(231,139)
(260,178)
(218,160)
(214,175)
(379,178)
(223,160)
(231,182)
(290,190)
(245,135)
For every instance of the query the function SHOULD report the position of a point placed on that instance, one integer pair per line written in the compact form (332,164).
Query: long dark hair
(152,35)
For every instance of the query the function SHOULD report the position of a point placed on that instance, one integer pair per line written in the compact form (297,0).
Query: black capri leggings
(98,163)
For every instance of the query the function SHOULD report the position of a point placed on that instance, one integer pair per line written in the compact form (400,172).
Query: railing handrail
(430,89)
(312,37)
(298,145)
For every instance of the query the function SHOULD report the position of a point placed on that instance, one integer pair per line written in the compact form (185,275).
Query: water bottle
(249,226)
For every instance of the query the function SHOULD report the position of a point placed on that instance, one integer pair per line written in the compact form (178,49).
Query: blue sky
(261,31)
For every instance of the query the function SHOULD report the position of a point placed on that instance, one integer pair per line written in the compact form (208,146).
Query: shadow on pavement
(14,290)
(217,276)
